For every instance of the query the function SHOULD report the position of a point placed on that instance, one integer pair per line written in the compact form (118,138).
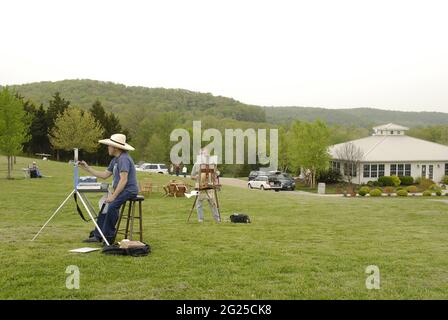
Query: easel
(207,181)
(84,202)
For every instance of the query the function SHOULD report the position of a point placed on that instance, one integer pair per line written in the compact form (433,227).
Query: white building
(389,151)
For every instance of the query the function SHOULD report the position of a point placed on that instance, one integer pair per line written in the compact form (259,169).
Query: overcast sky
(386,54)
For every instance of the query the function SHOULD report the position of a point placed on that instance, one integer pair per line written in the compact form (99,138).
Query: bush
(427,193)
(373,184)
(329,176)
(389,190)
(434,187)
(389,181)
(425,183)
(438,193)
(376,193)
(363,191)
(406,181)
(445,180)
(412,189)
(402,193)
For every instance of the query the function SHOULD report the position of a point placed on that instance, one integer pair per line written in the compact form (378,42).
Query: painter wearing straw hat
(124,184)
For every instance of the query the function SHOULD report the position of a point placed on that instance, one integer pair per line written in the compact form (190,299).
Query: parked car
(254,174)
(285,179)
(153,168)
(265,182)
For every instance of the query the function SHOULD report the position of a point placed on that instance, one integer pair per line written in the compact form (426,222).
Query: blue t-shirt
(124,163)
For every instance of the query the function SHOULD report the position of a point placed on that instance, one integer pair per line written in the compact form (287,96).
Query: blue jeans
(108,220)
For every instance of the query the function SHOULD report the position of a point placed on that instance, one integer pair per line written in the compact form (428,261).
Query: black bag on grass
(239,218)
(115,250)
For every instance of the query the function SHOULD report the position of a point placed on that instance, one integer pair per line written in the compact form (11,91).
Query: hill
(362,117)
(122,99)
(127,101)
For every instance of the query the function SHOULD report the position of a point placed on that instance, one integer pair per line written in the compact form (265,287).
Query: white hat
(117,140)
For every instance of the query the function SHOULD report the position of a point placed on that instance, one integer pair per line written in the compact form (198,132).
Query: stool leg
(140,220)
(127,221)
(119,219)
(132,221)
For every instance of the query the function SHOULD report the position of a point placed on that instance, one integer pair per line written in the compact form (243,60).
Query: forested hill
(360,117)
(127,101)
(123,99)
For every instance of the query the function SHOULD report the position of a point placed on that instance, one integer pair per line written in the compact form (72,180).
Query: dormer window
(392,132)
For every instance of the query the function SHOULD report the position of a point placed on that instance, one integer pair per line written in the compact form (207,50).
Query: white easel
(80,196)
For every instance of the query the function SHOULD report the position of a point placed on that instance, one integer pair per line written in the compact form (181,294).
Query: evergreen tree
(110,124)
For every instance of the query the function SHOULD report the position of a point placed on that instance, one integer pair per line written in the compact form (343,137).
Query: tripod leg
(217,204)
(93,219)
(192,208)
(52,216)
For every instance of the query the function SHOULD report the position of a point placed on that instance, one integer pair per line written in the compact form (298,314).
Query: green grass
(298,247)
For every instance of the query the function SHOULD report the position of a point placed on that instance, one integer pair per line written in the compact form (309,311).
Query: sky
(334,54)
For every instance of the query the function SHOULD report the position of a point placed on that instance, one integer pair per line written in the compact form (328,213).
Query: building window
(407,170)
(431,172)
(393,169)
(446,169)
(366,171)
(335,166)
(381,170)
(350,167)
(374,171)
(400,169)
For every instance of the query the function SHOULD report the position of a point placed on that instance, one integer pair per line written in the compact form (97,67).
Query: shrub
(402,193)
(376,193)
(363,191)
(438,193)
(425,183)
(389,181)
(406,181)
(445,180)
(389,190)
(427,193)
(329,176)
(412,189)
(434,187)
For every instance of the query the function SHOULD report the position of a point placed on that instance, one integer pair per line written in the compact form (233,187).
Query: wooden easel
(207,181)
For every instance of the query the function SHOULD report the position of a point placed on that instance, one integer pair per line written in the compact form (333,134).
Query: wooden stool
(129,230)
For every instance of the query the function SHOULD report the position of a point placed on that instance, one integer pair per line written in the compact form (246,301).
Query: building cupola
(390,129)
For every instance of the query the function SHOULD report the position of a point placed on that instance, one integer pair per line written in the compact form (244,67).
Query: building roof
(400,148)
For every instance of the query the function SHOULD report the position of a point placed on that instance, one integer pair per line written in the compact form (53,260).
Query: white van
(153,168)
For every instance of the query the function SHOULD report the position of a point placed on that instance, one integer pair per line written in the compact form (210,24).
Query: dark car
(254,174)
(286,180)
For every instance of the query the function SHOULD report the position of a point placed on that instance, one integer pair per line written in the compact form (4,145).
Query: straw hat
(117,140)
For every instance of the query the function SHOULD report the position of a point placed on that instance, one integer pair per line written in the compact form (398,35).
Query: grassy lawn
(298,247)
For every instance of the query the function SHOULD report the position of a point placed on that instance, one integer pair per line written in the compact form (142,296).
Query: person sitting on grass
(34,171)
(124,184)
